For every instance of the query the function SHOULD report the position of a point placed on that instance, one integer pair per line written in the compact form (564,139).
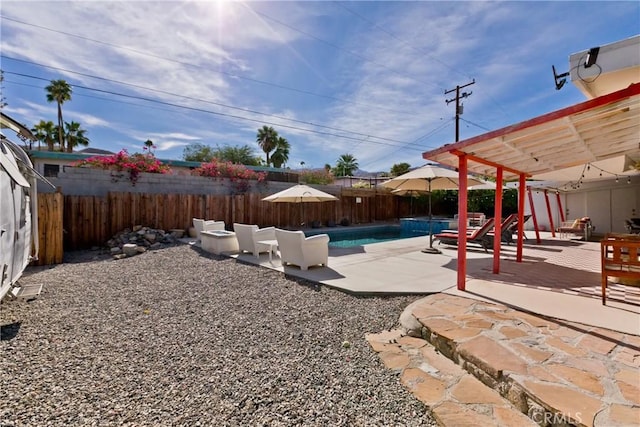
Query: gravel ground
(179,337)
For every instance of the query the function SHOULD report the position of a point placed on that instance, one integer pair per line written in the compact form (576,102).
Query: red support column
(560,207)
(534,217)
(521,191)
(497,237)
(462,221)
(553,227)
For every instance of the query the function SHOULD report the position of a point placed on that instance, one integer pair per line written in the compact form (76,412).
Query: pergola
(598,129)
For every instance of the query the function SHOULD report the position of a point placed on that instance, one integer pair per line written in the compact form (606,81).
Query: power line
(246,110)
(232,116)
(335,46)
(425,136)
(187,64)
(475,124)
(420,51)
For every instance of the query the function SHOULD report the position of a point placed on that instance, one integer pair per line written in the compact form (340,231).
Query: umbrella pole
(431,249)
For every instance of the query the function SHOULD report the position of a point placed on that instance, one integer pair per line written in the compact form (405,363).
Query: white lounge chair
(206,225)
(302,251)
(249,237)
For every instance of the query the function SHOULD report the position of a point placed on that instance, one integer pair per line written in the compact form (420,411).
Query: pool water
(365,236)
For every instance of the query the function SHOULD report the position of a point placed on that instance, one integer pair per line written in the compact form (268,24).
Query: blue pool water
(347,238)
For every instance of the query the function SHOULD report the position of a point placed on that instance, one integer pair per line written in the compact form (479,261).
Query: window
(51,170)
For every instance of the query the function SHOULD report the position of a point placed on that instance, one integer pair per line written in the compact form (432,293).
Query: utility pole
(458,106)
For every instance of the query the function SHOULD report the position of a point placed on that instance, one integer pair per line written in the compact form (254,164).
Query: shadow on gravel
(10,331)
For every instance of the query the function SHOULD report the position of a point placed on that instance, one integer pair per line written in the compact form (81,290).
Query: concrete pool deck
(559,278)
(516,348)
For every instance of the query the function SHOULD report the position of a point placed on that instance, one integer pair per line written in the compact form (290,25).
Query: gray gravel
(179,337)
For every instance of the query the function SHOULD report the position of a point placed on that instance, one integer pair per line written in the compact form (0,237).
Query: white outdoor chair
(249,237)
(209,225)
(303,251)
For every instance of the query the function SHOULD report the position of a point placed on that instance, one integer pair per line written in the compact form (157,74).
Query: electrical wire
(246,110)
(232,116)
(187,64)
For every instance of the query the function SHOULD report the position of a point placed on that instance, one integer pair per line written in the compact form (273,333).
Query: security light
(592,56)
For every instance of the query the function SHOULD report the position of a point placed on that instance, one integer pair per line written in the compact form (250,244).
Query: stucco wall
(607,203)
(97,182)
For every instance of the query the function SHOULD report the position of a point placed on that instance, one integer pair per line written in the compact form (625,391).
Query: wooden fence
(50,229)
(91,220)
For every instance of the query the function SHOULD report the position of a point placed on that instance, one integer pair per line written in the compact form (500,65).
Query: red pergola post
(521,192)
(534,218)
(462,221)
(497,237)
(562,219)
(553,227)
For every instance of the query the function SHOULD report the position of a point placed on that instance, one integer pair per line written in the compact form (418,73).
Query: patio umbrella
(428,178)
(409,193)
(299,194)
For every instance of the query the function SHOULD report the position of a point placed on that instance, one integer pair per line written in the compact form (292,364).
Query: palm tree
(45,133)
(346,165)
(3,102)
(75,136)
(60,92)
(281,155)
(267,138)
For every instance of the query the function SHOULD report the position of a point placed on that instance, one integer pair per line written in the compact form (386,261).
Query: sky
(362,78)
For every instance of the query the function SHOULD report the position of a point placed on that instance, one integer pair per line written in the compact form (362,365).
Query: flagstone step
(555,372)
(455,397)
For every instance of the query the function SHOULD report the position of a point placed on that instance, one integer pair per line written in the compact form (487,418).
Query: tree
(197,153)
(2,98)
(267,139)
(346,165)
(243,155)
(45,132)
(60,92)
(74,136)
(400,169)
(316,176)
(281,155)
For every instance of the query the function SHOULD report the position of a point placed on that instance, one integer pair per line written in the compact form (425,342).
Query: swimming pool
(348,238)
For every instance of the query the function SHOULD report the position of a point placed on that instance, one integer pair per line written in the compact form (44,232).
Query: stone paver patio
(479,363)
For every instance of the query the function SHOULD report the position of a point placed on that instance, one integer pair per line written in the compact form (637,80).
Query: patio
(568,290)
(484,355)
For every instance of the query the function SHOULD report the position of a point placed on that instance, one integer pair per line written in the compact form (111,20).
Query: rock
(177,232)
(150,237)
(130,249)
(116,250)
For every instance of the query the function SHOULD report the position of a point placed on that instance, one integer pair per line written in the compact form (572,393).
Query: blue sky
(364,78)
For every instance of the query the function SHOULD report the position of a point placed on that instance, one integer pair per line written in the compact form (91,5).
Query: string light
(587,167)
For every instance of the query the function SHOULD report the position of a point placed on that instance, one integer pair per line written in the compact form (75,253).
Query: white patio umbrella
(428,178)
(409,193)
(299,194)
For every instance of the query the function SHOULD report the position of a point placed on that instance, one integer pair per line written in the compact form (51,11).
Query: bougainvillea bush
(123,162)
(239,175)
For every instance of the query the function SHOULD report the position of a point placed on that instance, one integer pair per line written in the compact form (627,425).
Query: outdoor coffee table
(273,247)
